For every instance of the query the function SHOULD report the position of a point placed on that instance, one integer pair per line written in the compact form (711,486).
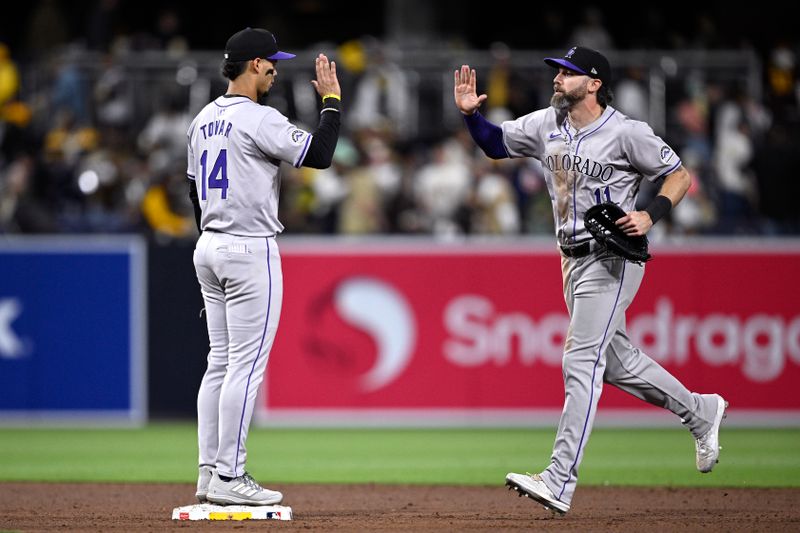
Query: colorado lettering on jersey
(218,127)
(577,163)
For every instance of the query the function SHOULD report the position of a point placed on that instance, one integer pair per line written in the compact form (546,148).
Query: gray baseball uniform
(604,161)
(235,150)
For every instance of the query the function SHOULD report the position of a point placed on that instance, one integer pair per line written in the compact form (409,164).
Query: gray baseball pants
(242,286)
(598,288)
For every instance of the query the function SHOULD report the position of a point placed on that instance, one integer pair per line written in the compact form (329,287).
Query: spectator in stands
(696,212)
(20,210)
(630,95)
(442,189)
(493,202)
(165,208)
(783,85)
(330,187)
(87,116)
(9,76)
(163,139)
(381,96)
(380,164)
(733,155)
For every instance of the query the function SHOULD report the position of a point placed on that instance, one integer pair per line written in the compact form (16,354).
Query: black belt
(578,250)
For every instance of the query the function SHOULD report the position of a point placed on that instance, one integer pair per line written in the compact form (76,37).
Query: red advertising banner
(381,332)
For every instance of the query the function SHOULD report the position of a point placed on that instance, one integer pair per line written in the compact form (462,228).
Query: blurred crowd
(78,156)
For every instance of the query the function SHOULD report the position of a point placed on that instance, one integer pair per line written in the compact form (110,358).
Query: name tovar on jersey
(235,150)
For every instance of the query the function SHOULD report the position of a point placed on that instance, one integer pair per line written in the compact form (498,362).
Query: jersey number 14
(218,179)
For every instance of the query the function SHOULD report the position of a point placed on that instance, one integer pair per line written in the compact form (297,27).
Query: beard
(563,101)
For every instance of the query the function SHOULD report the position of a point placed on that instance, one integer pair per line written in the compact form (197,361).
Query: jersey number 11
(215,181)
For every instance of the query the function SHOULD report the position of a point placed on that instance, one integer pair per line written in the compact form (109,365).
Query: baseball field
(402,479)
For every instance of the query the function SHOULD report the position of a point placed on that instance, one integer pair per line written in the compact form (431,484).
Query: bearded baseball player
(235,150)
(593,154)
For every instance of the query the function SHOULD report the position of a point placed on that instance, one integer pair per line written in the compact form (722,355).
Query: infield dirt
(141,507)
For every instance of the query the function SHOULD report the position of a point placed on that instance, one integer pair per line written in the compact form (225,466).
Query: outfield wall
(387,332)
(72,330)
(421,333)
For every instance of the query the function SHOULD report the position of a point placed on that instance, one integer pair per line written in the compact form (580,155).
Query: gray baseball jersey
(236,147)
(235,150)
(604,161)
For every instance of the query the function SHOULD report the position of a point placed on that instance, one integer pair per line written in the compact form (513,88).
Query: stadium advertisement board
(72,332)
(473,334)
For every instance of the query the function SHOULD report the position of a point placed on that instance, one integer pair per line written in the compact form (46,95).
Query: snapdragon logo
(760,344)
(374,308)
(479,335)
(11,347)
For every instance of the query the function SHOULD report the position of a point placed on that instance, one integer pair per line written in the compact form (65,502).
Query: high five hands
(466,96)
(326,83)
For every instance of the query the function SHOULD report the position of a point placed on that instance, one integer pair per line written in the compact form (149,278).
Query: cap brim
(556,62)
(281,55)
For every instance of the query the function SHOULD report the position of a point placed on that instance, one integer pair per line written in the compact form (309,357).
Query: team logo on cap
(571,51)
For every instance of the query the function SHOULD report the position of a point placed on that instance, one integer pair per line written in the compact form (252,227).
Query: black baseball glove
(600,221)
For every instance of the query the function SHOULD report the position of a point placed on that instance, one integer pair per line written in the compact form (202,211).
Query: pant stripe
(252,369)
(591,391)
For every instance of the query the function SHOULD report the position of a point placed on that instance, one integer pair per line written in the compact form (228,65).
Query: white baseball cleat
(708,446)
(533,487)
(242,490)
(203,479)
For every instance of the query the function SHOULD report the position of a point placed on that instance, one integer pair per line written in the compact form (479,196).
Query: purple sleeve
(487,135)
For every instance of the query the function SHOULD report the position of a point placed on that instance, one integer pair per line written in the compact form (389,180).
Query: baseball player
(592,153)
(235,150)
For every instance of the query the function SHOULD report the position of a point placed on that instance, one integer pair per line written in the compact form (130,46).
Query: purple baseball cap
(584,61)
(252,43)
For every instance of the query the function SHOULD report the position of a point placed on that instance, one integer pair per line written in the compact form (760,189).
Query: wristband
(331,104)
(660,206)
(331,95)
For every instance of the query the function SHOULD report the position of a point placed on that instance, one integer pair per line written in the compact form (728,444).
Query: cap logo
(594,71)
(571,51)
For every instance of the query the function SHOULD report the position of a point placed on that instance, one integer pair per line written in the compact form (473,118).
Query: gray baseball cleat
(534,488)
(203,479)
(708,446)
(242,490)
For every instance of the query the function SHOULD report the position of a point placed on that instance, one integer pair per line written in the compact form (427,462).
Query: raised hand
(326,82)
(466,96)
